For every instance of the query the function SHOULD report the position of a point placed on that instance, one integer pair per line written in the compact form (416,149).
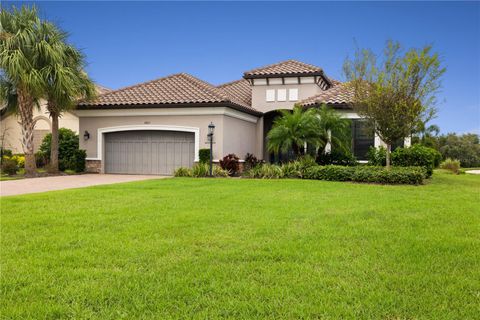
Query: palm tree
(333,129)
(65,80)
(21,82)
(292,129)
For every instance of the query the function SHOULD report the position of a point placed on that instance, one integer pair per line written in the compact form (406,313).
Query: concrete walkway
(34,185)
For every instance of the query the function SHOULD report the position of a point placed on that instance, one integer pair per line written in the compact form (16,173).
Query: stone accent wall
(93,166)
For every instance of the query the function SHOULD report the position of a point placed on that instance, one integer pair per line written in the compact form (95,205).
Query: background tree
(65,80)
(20,79)
(394,94)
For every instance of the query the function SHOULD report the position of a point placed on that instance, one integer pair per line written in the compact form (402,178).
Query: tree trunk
(53,166)
(25,108)
(389,148)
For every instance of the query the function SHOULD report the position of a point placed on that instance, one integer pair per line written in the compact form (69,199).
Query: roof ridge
(204,85)
(231,82)
(282,62)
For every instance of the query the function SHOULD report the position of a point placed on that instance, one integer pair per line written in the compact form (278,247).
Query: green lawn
(243,249)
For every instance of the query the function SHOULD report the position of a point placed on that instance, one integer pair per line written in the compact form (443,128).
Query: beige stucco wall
(239,136)
(232,133)
(259,95)
(11,131)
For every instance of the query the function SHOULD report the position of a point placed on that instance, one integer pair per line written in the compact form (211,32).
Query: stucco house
(11,131)
(157,126)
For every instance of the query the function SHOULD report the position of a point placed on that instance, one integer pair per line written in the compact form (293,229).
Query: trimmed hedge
(417,156)
(204,155)
(369,174)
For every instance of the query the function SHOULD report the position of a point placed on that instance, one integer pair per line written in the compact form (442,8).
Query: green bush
(5,152)
(371,174)
(394,175)
(204,155)
(68,150)
(265,171)
(377,156)
(75,162)
(291,170)
(338,157)
(451,165)
(416,155)
(330,172)
(41,159)
(9,166)
(183,172)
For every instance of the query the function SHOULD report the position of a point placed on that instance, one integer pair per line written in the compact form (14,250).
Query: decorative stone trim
(93,166)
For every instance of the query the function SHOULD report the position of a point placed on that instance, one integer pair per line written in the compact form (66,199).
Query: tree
(292,129)
(315,127)
(333,129)
(20,80)
(397,93)
(65,80)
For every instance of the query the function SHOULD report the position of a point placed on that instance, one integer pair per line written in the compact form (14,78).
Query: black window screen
(363,139)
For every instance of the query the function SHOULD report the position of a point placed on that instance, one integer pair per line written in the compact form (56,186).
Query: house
(157,126)
(11,131)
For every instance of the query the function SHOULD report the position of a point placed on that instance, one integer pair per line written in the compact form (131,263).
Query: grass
(242,249)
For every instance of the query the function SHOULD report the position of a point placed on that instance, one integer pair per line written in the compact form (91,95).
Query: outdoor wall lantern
(86,135)
(211,130)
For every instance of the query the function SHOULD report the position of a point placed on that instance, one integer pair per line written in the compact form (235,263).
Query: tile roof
(176,89)
(337,95)
(288,67)
(239,90)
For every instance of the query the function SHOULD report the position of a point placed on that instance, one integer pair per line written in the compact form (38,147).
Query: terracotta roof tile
(179,88)
(338,94)
(284,68)
(239,90)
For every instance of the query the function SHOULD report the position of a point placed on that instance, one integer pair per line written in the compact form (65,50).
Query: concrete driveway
(34,185)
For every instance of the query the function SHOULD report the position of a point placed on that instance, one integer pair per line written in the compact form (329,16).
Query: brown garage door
(148,152)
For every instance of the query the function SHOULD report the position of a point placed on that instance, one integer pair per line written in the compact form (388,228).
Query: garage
(148,152)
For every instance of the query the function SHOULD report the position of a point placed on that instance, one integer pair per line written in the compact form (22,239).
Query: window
(293,94)
(270,97)
(282,95)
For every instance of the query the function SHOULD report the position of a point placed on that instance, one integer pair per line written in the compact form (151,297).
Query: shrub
(416,155)
(377,156)
(183,172)
(251,161)
(337,157)
(451,165)
(265,171)
(19,159)
(291,170)
(200,170)
(68,150)
(394,175)
(230,163)
(75,162)
(371,174)
(5,152)
(9,166)
(204,155)
(330,172)
(41,159)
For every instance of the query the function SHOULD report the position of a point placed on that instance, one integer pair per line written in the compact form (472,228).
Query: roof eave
(169,105)
(286,75)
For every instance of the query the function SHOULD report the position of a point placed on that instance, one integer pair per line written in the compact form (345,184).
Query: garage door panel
(148,152)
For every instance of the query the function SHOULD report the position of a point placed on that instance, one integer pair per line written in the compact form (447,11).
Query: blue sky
(132,42)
